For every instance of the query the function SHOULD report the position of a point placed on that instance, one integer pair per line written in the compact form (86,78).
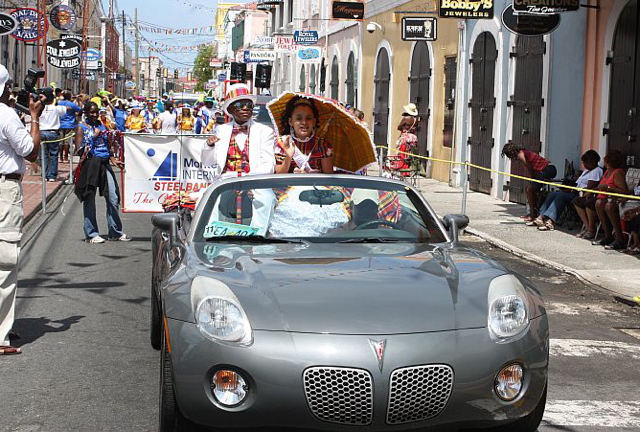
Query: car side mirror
(454,223)
(167,222)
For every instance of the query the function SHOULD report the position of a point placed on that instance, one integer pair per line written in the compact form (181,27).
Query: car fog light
(509,382)
(229,388)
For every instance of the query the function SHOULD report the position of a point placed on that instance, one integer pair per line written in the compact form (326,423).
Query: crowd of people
(618,218)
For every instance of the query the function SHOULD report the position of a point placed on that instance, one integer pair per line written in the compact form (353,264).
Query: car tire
(155,328)
(530,422)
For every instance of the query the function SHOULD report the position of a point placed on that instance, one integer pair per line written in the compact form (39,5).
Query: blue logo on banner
(305,37)
(168,169)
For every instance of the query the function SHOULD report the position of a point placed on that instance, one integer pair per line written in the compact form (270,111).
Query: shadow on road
(31,329)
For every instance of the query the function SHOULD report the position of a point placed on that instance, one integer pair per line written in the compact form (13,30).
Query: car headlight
(507,307)
(218,313)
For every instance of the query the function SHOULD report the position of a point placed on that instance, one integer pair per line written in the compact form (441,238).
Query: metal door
(335,82)
(526,103)
(482,104)
(382,81)
(419,80)
(351,80)
(624,121)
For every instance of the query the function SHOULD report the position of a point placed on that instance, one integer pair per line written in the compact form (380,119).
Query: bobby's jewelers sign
(479,9)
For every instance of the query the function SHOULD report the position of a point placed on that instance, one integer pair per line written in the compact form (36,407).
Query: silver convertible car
(338,302)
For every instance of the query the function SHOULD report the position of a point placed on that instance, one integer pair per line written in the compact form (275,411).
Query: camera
(29,89)
(373,26)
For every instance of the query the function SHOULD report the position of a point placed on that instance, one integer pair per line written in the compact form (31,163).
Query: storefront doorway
(482,104)
(526,104)
(420,80)
(624,103)
(382,81)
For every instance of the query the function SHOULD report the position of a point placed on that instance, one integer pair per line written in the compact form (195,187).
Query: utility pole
(124,54)
(137,65)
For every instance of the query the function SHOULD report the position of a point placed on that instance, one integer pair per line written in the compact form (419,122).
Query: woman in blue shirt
(120,115)
(96,173)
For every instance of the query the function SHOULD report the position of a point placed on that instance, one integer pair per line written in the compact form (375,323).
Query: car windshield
(327,209)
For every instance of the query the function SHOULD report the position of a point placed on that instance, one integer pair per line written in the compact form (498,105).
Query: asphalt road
(83,314)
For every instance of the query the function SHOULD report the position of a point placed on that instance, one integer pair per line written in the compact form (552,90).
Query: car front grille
(339,395)
(418,393)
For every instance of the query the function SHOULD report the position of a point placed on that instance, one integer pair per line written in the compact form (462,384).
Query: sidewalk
(32,190)
(499,223)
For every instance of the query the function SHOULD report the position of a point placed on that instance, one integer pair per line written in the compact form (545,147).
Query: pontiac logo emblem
(378,348)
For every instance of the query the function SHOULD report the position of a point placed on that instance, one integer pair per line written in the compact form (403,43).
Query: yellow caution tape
(618,195)
(58,140)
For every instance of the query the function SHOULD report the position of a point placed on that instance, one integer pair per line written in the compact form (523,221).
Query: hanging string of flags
(206,31)
(157,46)
(198,6)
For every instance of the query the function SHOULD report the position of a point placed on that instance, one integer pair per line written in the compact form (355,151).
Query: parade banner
(158,166)
(32,25)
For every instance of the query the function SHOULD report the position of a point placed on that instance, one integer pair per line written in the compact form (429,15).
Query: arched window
(335,83)
(351,80)
(303,84)
(312,79)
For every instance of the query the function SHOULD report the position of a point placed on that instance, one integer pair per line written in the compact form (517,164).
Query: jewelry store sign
(478,9)
(545,7)
(63,53)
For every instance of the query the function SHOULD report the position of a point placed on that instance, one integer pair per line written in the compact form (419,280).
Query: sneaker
(96,239)
(123,237)
(51,180)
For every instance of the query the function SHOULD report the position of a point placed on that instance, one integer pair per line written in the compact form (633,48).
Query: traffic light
(238,72)
(263,76)
(175,74)
(158,73)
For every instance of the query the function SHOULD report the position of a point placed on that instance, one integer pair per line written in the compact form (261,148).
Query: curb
(549,264)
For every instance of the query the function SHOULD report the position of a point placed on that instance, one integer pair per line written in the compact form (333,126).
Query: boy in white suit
(243,147)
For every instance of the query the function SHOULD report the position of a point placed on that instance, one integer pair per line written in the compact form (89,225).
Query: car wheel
(529,423)
(155,328)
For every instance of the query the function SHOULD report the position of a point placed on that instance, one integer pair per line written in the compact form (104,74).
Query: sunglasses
(242,105)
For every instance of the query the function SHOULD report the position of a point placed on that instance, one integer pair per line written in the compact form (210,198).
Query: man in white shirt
(243,147)
(16,145)
(168,120)
(49,127)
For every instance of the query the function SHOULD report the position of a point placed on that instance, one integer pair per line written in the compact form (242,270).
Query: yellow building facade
(397,72)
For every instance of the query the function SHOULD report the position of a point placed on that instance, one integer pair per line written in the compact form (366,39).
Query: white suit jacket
(261,149)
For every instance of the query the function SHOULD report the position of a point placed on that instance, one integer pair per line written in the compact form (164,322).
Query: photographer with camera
(16,145)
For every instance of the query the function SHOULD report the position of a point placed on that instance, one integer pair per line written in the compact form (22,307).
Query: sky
(176,14)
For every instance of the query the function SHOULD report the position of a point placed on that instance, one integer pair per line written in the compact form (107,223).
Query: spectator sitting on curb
(556,201)
(537,168)
(607,207)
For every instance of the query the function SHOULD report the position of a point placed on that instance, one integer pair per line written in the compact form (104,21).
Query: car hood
(352,289)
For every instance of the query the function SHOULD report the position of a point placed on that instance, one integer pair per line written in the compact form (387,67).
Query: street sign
(62,17)
(63,53)
(216,62)
(32,25)
(75,37)
(89,75)
(130,85)
(263,41)
(342,10)
(7,24)
(305,37)
(257,56)
(419,29)
(528,24)
(309,55)
(477,9)
(285,44)
(546,7)
(222,77)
